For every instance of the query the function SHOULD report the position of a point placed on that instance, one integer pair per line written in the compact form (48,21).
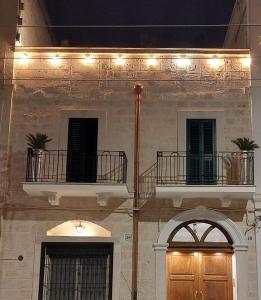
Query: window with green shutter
(201,151)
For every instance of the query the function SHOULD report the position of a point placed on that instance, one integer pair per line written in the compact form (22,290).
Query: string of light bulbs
(182,62)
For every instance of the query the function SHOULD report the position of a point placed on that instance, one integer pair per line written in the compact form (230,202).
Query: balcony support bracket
(177,201)
(103,198)
(225,201)
(53,198)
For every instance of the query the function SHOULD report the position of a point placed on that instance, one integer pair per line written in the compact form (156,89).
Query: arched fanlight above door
(200,235)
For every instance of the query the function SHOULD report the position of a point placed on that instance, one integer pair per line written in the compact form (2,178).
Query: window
(82,150)
(201,151)
(200,235)
(76,271)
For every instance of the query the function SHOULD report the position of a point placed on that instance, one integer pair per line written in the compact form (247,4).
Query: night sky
(118,12)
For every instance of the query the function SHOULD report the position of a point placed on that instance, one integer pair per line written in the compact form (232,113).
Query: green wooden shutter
(193,151)
(209,151)
(201,153)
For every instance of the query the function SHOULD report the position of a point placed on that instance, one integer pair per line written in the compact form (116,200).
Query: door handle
(196,295)
(202,295)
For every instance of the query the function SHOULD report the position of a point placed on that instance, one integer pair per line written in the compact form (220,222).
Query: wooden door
(199,276)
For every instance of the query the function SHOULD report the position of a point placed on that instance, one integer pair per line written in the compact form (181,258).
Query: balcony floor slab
(179,193)
(55,191)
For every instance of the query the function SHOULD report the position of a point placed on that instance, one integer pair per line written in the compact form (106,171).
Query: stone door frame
(240,246)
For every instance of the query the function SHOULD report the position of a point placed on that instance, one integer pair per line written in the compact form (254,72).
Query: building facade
(248,13)
(66,211)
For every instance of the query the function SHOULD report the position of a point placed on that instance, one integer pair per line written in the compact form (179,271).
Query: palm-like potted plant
(245,144)
(37,141)
(37,146)
(247,148)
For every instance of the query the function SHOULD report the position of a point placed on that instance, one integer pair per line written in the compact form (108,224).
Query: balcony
(220,175)
(62,173)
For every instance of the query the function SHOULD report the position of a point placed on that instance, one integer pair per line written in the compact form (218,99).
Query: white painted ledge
(224,193)
(55,191)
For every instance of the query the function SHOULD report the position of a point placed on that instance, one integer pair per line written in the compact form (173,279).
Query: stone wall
(24,230)
(35,14)
(46,96)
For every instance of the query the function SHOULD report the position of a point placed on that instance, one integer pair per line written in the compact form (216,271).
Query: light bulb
(24,59)
(88,60)
(120,61)
(80,228)
(246,62)
(216,63)
(56,61)
(151,61)
(183,62)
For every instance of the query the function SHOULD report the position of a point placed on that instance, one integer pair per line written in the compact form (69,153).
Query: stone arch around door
(240,248)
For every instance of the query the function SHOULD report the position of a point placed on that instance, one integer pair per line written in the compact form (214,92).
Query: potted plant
(247,147)
(37,146)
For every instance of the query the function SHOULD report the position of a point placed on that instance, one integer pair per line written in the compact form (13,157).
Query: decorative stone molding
(241,247)
(160,247)
(202,213)
(232,73)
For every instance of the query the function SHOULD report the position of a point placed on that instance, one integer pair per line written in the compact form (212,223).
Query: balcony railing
(63,166)
(219,168)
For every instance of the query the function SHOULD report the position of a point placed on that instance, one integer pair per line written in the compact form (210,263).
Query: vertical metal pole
(135,225)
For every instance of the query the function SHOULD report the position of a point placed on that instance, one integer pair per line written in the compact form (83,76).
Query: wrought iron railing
(70,166)
(219,168)
(148,180)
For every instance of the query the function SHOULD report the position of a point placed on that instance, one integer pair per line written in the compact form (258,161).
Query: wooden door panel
(215,290)
(182,276)
(182,264)
(214,265)
(181,290)
(215,276)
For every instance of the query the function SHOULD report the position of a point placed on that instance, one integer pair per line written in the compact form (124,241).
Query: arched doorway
(199,262)
(239,249)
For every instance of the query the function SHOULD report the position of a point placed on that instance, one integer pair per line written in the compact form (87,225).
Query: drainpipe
(135,220)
